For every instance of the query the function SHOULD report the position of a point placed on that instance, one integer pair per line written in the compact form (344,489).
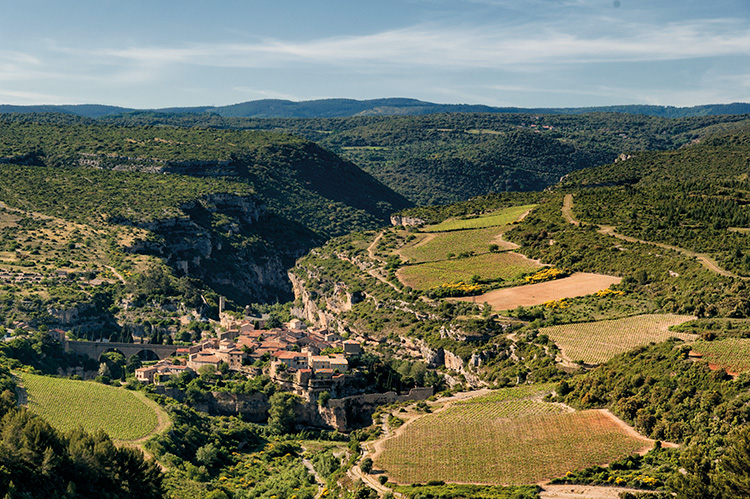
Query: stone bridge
(95,349)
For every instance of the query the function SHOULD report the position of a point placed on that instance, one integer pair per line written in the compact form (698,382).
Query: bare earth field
(582,492)
(580,284)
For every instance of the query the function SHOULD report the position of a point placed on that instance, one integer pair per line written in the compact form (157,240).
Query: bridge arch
(113,349)
(95,349)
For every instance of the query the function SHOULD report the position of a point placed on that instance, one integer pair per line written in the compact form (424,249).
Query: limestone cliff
(215,239)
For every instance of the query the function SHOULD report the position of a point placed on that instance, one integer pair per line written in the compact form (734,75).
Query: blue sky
(532,53)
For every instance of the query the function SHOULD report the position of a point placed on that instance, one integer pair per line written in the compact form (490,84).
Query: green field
(510,437)
(488,266)
(502,217)
(597,342)
(433,247)
(67,404)
(732,354)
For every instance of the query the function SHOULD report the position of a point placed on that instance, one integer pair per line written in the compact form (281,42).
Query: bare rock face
(322,309)
(193,245)
(407,221)
(70,315)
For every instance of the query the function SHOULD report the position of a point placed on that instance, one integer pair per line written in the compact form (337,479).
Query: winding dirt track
(375,272)
(705,260)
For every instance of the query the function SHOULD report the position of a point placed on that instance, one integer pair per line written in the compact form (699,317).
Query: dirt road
(608,230)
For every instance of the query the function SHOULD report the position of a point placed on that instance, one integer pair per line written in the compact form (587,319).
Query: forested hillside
(444,158)
(696,198)
(227,211)
(339,108)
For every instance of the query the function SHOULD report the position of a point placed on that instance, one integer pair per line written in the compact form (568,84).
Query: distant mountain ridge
(341,108)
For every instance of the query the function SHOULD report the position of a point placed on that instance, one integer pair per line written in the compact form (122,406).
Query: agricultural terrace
(67,404)
(731,354)
(501,217)
(579,284)
(488,266)
(440,246)
(597,342)
(510,437)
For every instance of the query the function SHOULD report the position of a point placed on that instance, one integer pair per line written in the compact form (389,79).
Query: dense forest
(444,158)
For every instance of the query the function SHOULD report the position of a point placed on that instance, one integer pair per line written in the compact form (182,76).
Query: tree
(736,466)
(134,362)
(207,455)
(323,399)
(207,372)
(116,363)
(281,417)
(366,465)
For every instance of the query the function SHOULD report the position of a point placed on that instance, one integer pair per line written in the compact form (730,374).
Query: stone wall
(344,414)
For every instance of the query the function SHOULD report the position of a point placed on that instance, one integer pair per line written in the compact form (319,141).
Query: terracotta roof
(286,354)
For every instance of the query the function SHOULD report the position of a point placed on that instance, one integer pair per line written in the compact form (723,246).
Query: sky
(525,53)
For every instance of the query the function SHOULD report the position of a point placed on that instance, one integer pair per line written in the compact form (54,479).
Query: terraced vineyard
(597,342)
(488,266)
(502,217)
(67,404)
(732,354)
(509,437)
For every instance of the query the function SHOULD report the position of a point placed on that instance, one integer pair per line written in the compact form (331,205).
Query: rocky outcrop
(407,221)
(344,414)
(356,412)
(439,357)
(71,315)
(220,255)
(212,168)
(322,310)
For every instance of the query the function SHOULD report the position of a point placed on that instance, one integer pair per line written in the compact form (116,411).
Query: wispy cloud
(265,94)
(555,47)
(464,47)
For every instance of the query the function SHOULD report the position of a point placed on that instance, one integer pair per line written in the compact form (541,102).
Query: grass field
(597,342)
(501,217)
(437,246)
(67,404)
(510,437)
(732,354)
(506,266)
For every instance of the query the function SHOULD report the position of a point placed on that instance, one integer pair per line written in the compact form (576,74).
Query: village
(302,360)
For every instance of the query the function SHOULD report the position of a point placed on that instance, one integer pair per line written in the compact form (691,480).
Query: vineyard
(67,404)
(502,217)
(597,342)
(509,437)
(732,354)
(488,266)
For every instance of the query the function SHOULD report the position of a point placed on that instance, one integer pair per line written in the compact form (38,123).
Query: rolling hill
(339,108)
(227,211)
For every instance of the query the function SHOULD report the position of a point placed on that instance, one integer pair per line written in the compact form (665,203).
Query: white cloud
(266,94)
(22,98)
(505,47)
